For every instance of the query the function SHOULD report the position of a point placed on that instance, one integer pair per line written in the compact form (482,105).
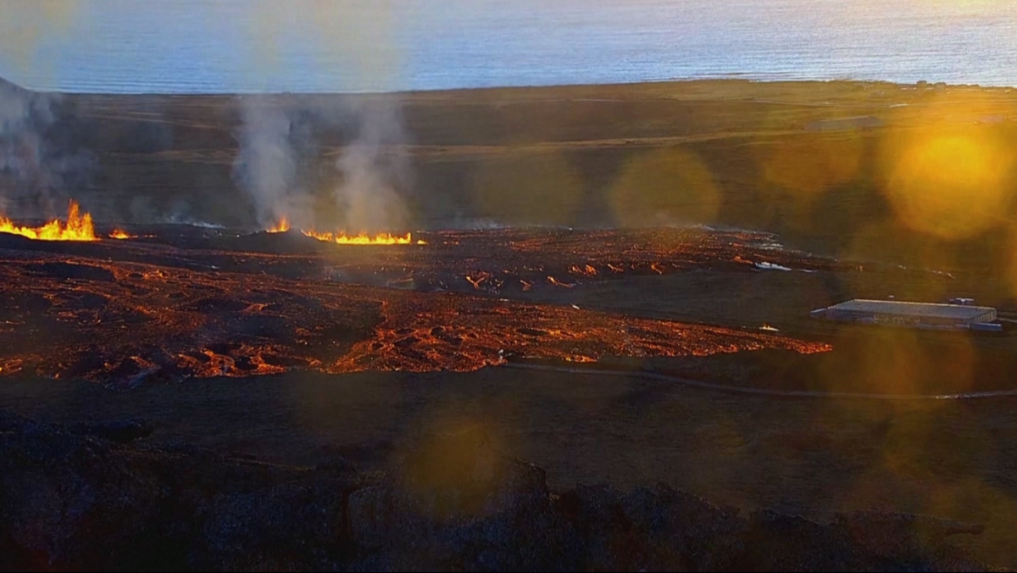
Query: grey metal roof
(916,309)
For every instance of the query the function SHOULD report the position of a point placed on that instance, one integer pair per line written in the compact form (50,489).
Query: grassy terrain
(723,152)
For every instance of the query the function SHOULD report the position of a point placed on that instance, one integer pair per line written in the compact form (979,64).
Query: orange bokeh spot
(952,185)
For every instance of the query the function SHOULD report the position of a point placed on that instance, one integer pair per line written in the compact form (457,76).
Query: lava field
(174,302)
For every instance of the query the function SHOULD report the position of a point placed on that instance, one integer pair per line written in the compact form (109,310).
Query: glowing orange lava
(281,227)
(120,234)
(363,238)
(78,228)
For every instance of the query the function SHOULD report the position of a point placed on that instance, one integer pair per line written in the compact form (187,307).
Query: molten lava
(281,227)
(120,234)
(363,238)
(78,228)
(190,312)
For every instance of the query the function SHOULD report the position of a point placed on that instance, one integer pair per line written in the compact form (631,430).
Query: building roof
(914,309)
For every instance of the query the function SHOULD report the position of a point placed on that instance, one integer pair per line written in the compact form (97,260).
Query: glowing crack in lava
(281,227)
(78,228)
(120,234)
(190,312)
(122,322)
(363,238)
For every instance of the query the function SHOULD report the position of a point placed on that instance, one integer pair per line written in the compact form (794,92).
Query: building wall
(904,320)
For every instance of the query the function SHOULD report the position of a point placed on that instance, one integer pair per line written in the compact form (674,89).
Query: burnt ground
(454,502)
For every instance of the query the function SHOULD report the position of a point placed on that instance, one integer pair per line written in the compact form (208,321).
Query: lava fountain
(281,227)
(364,238)
(78,227)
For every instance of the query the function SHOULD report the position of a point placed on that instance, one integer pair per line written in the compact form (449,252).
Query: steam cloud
(38,159)
(367,184)
(35,167)
(279,161)
(277,164)
(370,194)
(265,167)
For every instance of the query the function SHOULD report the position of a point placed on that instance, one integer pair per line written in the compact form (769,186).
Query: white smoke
(279,162)
(266,165)
(35,167)
(35,171)
(278,157)
(19,142)
(374,172)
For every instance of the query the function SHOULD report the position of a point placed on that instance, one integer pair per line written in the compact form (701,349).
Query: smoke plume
(279,163)
(266,165)
(38,161)
(374,172)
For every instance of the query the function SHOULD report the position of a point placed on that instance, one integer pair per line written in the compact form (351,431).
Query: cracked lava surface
(185,304)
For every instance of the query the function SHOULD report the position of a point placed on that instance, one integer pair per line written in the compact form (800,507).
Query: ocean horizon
(250,46)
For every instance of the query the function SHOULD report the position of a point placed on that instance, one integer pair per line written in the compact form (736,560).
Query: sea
(228,46)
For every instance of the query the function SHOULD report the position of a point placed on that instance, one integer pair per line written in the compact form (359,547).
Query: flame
(476,282)
(281,227)
(78,228)
(120,234)
(363,238)
(557,282)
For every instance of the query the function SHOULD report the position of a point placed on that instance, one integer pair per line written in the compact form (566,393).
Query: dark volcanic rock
(119,431)
(455,504)
(70,500)
(77,502)
(72,271)
(860,541)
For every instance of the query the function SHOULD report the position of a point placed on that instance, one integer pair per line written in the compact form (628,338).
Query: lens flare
(663,187)
(542,188)
(811,165)
(950,184)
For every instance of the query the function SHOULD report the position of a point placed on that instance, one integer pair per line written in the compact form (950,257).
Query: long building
(912,314)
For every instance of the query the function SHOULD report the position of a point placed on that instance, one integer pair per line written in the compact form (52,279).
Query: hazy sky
(378,44)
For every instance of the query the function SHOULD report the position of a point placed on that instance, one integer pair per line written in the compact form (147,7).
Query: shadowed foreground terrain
(75,500)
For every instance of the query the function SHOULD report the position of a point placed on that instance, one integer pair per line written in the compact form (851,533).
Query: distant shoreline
(733,79)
